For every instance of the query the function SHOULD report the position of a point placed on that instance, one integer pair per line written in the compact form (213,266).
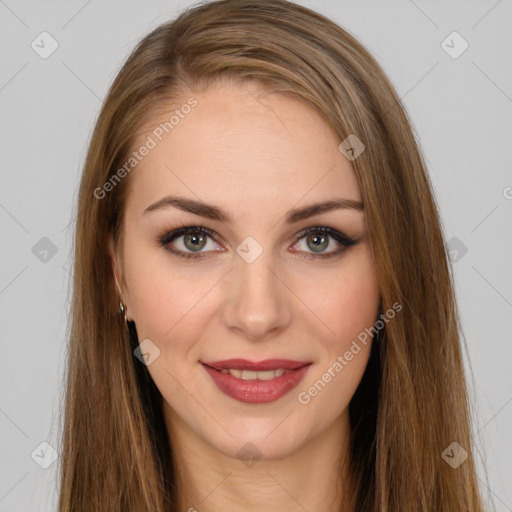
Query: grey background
(461,111)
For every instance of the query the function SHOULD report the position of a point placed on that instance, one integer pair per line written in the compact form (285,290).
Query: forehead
(237,145)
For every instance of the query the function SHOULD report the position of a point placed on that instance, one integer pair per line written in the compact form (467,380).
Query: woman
(263,313)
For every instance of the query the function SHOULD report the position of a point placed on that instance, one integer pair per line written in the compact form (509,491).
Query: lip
(257,391)
(267,364)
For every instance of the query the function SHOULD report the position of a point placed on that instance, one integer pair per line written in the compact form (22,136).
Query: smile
(252,375)
(256,382)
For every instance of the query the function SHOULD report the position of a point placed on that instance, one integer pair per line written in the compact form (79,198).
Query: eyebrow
(215,213)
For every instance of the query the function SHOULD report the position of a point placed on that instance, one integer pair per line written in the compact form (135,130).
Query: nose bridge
(258,302)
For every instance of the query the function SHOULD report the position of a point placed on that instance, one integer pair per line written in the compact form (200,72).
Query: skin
(255,155)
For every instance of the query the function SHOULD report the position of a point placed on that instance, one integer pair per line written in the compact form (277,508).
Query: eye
(319,238)
(193,239)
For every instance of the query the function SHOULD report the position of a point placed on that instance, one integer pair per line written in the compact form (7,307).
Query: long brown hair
(412,402)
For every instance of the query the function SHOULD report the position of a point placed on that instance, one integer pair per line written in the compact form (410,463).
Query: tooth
(255,375)
(266,375)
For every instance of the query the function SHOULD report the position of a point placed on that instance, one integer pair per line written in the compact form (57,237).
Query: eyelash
(169,235)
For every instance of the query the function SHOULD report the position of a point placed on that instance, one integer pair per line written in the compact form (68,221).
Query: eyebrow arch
(215,213)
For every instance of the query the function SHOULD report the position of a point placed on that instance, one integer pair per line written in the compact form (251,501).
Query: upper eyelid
(327,230)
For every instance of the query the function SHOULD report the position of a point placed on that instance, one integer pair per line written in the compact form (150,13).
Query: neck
(314,477)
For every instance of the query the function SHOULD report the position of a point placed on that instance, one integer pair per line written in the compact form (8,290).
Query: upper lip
(267,364)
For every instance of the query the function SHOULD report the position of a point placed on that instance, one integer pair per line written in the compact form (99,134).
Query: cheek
(348,304)
(167,298)
(358,298)
(345,299)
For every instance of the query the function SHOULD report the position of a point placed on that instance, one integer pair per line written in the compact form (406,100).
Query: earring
(122,310)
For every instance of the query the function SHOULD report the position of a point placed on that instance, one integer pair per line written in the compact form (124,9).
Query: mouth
(256,381)
(261,370)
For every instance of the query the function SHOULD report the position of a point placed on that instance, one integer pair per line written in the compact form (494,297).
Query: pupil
(198,241)
(319,246)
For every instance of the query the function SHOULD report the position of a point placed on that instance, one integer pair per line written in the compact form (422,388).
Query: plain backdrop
(460,102)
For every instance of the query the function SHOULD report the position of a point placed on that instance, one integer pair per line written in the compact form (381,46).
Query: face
(248,277)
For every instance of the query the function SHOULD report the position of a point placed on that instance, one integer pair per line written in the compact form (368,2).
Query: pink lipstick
(256,382)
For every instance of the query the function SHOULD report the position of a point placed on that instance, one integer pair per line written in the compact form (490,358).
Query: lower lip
(256,391)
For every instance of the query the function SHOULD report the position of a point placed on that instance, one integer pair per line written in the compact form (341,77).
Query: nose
(258,302)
